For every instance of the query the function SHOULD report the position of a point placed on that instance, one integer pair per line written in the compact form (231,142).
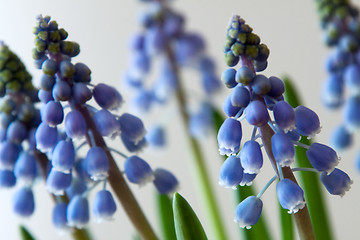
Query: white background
(289,28)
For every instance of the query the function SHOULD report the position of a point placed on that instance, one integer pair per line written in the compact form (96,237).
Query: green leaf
(25,234)
(259,230)
(166,216)
(310,181)
(187,225)
(287,229)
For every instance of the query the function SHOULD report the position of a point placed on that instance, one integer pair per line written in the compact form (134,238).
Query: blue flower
(97,163)
(231,172)
(23,202)
(59,216)
(77,212)
(165,182)
(104,206)
(290,195)
(322,157)
(137,170)
(283,149)
(307,121)
(251,157)
(337,182)
(229,137)
(248,212)
(256,113)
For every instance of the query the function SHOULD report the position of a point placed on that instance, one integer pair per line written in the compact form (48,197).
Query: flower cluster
(163,31)
(58,128)
(341,26)
(19,120)
(259,100)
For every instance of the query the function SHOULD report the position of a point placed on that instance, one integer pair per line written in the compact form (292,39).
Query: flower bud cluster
(57,132)
(341,26)
(163,31)
(260,101)
(19,119)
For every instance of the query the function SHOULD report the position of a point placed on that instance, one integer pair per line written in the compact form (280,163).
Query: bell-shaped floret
(106,123)
(290,195)
(104,206)
(333,91)
(16,132)
(7,179)
(248,212)
(247,179)
(165,182)
(337,182)
(57,182)
(23,202)
(229,137)
(61,91)
(53,113)
(59,216)
(9,152)
(81,93)
(25,168)
(277,87)
(352,114)
(251,157)
(341,138)
(284,116)
(82,73)
(256,113)
(260,85)
(156,136)
(107,97)
(283,149)
(77,212)
(131,146)
(45,96)
(307,121)
(240,97)
(322,157)
(231,172)
(132,127)
(137,170)
(46,137)
(228,78)
(97,163)
(244,75)
(63,156)
(229,109)
(75,124)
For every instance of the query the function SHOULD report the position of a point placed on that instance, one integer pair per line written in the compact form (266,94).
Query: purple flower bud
(248,212)
(46,137)
(16,132)
(229,137)
(261,85)
(229,109)
(104,206)
(9,152)
(251,157)
(231,172)
(75,125)
(244,75)
(240,97)
(165,182)
(322,157)
(57,182)
(132,127)
(284,116)
(53,113)
(25,168)
(337,182)
(45,96)
(256,113)
(61,91)
(137,170)
(63,156)
(307,121)
(283,149)
(97,163)
(77,212)
(290,195)
(107,97)
(106,123)
(7,179)
(228,78)
(277,87)
(81,93)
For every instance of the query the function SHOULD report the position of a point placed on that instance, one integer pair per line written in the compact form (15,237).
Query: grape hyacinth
(340,23)
(259,100)
(163,29)
(63,132)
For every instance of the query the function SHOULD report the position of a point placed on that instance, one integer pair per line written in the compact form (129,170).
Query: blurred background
(103,28)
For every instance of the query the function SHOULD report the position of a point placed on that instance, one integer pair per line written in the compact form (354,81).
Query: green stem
(302,217)
(118,183)
(199,163)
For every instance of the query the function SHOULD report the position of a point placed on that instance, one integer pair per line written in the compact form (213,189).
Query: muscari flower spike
(253,97)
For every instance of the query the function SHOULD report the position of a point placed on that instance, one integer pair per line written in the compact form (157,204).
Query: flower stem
(118,183)
(199,163)
(302,217)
